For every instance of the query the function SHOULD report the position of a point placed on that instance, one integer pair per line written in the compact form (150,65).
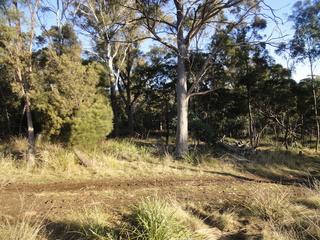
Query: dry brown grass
(284,214)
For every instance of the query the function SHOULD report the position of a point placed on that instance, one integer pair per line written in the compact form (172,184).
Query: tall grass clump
(274,231)
(157,220)
(313,198)
(88,224)
(24,229)
(270,205)
(126,150)
(226,221)
(286,217)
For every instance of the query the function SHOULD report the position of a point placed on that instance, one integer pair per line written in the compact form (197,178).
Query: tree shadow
(76,231)
(285,167)
(159,146)
(241,235)
(270,166)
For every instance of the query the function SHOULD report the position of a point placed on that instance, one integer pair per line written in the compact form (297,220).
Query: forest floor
(219,195)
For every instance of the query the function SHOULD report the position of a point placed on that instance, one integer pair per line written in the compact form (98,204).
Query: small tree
(91,123)
(65,83)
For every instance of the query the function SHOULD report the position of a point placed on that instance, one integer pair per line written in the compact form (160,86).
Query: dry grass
(270,205)
(89,223)
(24,229)
(283,214)
(155,219)
(281,164)
(110,159)
(151,219)
(272,231)
(226,221)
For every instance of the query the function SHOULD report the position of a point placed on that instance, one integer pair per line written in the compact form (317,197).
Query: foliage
(64,84)
(203,131)
(305,42)
(91,124)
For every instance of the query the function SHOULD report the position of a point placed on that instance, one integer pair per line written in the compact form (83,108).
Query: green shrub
(202,131)
(91,123)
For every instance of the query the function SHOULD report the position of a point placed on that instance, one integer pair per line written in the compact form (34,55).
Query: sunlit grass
(158,220)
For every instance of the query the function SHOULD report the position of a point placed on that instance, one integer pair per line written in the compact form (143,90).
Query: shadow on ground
(274,166)
(76,231)
(284,167)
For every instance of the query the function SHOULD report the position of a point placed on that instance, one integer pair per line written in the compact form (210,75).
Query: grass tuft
(270,205)
(226,221)
(88,224)
(24,229)
(157,220)
(274,231)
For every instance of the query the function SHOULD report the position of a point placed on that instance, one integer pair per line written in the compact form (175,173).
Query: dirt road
(116,194)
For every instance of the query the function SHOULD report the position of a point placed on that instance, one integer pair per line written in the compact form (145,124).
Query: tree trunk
(181,85)
(130,114)
(114,105)
(130,107)
(302,131)
(182,110)
(27,108)
(8,120)
(250,117)
(286,133)
(6,113)
(31,138)
(275,133)
(316,116)
(315,103)
(167,120)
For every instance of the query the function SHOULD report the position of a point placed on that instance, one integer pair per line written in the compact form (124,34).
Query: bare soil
(55,200)
(116,193)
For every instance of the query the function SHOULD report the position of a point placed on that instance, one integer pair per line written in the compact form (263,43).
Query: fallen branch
(83,160)
(239,148)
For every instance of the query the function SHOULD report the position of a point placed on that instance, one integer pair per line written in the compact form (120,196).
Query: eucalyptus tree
(278,102)
(305,44)
(16,46)
(177,24)
(136,73)
(251,65)
(108,24)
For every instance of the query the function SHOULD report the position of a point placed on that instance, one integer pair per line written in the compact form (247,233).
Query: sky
(283,9)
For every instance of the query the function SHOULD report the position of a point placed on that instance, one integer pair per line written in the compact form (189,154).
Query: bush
(91,123)
(202,131)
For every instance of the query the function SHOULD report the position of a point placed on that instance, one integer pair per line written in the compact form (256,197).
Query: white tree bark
(182,106)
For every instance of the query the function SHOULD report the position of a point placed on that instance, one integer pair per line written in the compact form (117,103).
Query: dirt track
(116,194)
(38,198)
(111,184)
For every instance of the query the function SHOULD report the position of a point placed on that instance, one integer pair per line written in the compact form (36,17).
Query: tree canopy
(156,68)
